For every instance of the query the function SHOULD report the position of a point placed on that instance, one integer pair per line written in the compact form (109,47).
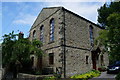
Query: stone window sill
(51,42)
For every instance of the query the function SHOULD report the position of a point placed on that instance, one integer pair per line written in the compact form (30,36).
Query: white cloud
(25,19)
(57,0)
(87,10)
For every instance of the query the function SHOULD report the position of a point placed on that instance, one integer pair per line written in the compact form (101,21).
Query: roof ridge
(53,7)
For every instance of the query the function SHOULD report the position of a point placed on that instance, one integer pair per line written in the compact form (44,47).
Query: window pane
(91,35)
(52,30)
(41,33)
(34,34)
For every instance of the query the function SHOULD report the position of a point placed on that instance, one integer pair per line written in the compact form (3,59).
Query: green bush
(50,78)
(85,76)
(54,77)
(118,76)
(88,75)
(38,72)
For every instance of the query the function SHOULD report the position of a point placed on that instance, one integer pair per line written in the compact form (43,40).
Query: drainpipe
(64,45)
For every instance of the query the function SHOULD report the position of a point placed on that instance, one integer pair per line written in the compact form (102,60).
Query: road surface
(105,76)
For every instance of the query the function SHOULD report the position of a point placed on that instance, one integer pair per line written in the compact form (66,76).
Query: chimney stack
(21,35)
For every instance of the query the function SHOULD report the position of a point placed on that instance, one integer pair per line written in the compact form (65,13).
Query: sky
(19,16)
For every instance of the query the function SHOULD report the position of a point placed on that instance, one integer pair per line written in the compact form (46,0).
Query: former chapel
(68,42)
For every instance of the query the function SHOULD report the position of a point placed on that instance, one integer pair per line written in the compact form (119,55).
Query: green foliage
(118,76)
(55,77)
(102,39)
(114,36)
(38,73)
(14,49)
(106,10)
(50,78)
(7,47)
(35,46)
(86,76)
(109,17)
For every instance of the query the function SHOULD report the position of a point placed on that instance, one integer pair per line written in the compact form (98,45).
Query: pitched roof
(48,11)
(45,13)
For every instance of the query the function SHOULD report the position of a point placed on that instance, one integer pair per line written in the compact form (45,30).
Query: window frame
(52,29)
(91,35)
(42,33)
(34,34)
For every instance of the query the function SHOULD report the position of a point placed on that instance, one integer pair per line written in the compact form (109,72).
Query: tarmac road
(105,76)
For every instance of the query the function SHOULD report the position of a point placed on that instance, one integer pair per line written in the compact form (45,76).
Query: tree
(114,36)
(7,47)
(109,17)
(106,10)
(17,51)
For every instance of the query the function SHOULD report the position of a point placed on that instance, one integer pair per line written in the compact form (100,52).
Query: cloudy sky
(19,16)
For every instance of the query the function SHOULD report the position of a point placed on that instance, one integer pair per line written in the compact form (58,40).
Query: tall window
(91,35)
(51,58)
(51,30)
(41,33)
(34,34)
(87,59)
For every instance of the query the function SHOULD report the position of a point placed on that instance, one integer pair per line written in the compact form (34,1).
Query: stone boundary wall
(30,76)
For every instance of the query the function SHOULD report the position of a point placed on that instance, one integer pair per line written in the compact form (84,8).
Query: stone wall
(57,58)
(50,47)
(76,61)
(77,40)
(77,31)
(24,76)
(78,44)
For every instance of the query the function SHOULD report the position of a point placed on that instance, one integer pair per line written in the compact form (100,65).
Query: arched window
(52,30)
(41,33)
(91,35)
(34,34)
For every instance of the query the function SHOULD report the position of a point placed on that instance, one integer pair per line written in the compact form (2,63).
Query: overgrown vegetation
(118,76)
(50,78)
(86,76)
(105,11)
(109,18)
(16,52)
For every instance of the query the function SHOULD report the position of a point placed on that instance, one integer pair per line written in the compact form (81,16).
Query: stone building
(68,42)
